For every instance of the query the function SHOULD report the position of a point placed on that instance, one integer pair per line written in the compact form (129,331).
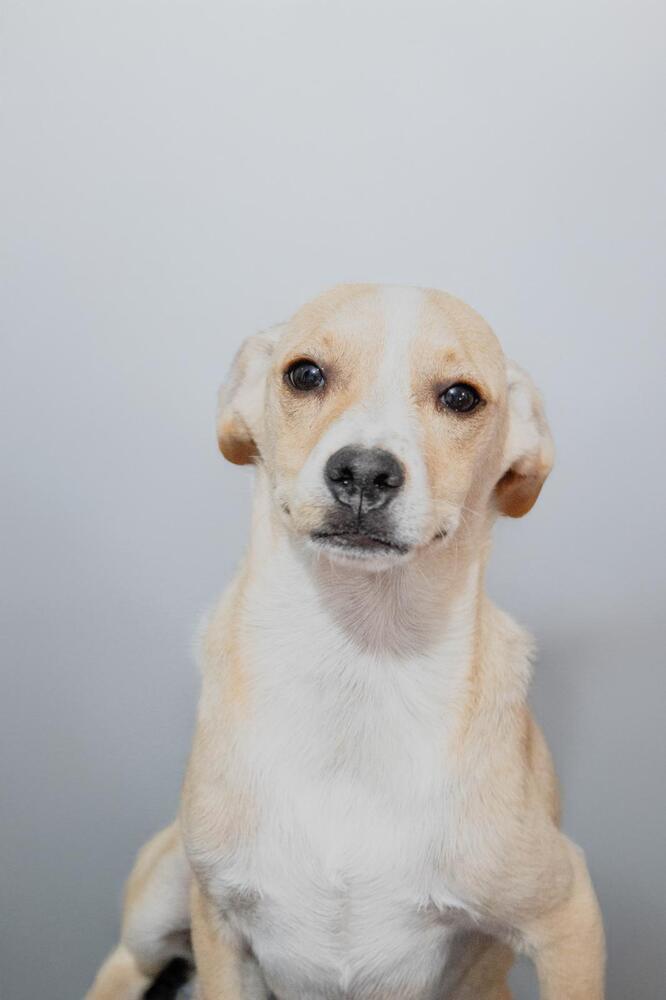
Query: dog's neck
(432,600)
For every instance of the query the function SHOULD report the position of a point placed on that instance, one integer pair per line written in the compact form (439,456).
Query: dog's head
(385,419)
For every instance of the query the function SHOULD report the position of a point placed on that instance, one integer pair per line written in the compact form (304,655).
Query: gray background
(178,174)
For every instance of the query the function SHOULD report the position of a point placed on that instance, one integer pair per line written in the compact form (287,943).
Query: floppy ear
(528,449)
(241,399)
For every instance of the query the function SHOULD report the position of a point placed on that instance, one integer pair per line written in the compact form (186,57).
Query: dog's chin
(374,552)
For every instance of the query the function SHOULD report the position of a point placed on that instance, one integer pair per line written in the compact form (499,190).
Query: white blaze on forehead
(403,314)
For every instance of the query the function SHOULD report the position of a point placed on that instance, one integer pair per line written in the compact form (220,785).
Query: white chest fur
(340,891)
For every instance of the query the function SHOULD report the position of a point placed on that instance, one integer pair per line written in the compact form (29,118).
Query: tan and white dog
(370,811)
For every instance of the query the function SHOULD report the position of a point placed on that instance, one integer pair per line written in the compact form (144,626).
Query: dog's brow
(325,348)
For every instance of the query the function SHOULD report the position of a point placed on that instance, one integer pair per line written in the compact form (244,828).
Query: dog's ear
(241,399)
(528,449)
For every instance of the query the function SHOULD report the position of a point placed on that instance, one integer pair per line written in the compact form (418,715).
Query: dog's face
(385,418)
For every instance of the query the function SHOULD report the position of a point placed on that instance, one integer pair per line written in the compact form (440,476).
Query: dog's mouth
(359,543)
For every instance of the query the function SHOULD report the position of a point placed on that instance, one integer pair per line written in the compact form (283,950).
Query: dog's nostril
(344,476)
(388,480)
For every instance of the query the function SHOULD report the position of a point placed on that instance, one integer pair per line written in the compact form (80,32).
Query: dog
(370,811)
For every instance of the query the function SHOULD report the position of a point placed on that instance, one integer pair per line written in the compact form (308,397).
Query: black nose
(363,478)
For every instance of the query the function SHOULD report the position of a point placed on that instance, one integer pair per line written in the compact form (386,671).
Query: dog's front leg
(155,920)
(567,941)
(218,955)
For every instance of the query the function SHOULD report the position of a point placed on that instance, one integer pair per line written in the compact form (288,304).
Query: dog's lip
(360,540)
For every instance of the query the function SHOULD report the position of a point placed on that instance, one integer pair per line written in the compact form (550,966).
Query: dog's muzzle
(362,482)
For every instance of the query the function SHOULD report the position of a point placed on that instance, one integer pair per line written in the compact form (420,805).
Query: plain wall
(179,174)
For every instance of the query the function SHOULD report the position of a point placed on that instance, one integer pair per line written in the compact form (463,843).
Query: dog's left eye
(460,397)
(305,375)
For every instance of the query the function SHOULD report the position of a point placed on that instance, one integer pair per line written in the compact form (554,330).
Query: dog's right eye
(305,375)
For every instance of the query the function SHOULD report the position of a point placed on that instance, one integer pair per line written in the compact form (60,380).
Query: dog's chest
(340,891)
